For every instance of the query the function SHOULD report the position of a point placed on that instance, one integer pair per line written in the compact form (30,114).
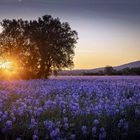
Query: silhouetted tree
(108,70)
(41,47)
(125,71)
(131,71)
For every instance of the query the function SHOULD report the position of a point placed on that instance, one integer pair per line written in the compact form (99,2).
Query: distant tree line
(109,70)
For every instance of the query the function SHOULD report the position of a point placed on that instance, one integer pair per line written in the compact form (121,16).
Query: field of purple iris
(70,108)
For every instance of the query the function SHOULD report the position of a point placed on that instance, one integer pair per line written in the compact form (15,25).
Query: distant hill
(134,64)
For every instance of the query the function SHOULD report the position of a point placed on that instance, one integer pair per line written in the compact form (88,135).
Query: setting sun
(8,68)
(6,65)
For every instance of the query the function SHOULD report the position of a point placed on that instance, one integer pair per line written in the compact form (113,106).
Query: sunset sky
(109,30)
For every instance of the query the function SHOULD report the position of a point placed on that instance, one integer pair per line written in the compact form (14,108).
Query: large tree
(41,47)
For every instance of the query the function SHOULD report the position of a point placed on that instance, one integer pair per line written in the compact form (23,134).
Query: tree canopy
(41,47)
(108,70)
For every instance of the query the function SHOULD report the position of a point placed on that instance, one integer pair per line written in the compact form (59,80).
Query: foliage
(110,71)
(131,71)
(41,47)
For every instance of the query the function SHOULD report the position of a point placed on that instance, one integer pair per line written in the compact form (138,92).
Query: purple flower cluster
(70,108)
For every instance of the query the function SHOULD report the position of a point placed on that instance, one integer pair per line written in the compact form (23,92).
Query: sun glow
(6,65)
(8,69)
